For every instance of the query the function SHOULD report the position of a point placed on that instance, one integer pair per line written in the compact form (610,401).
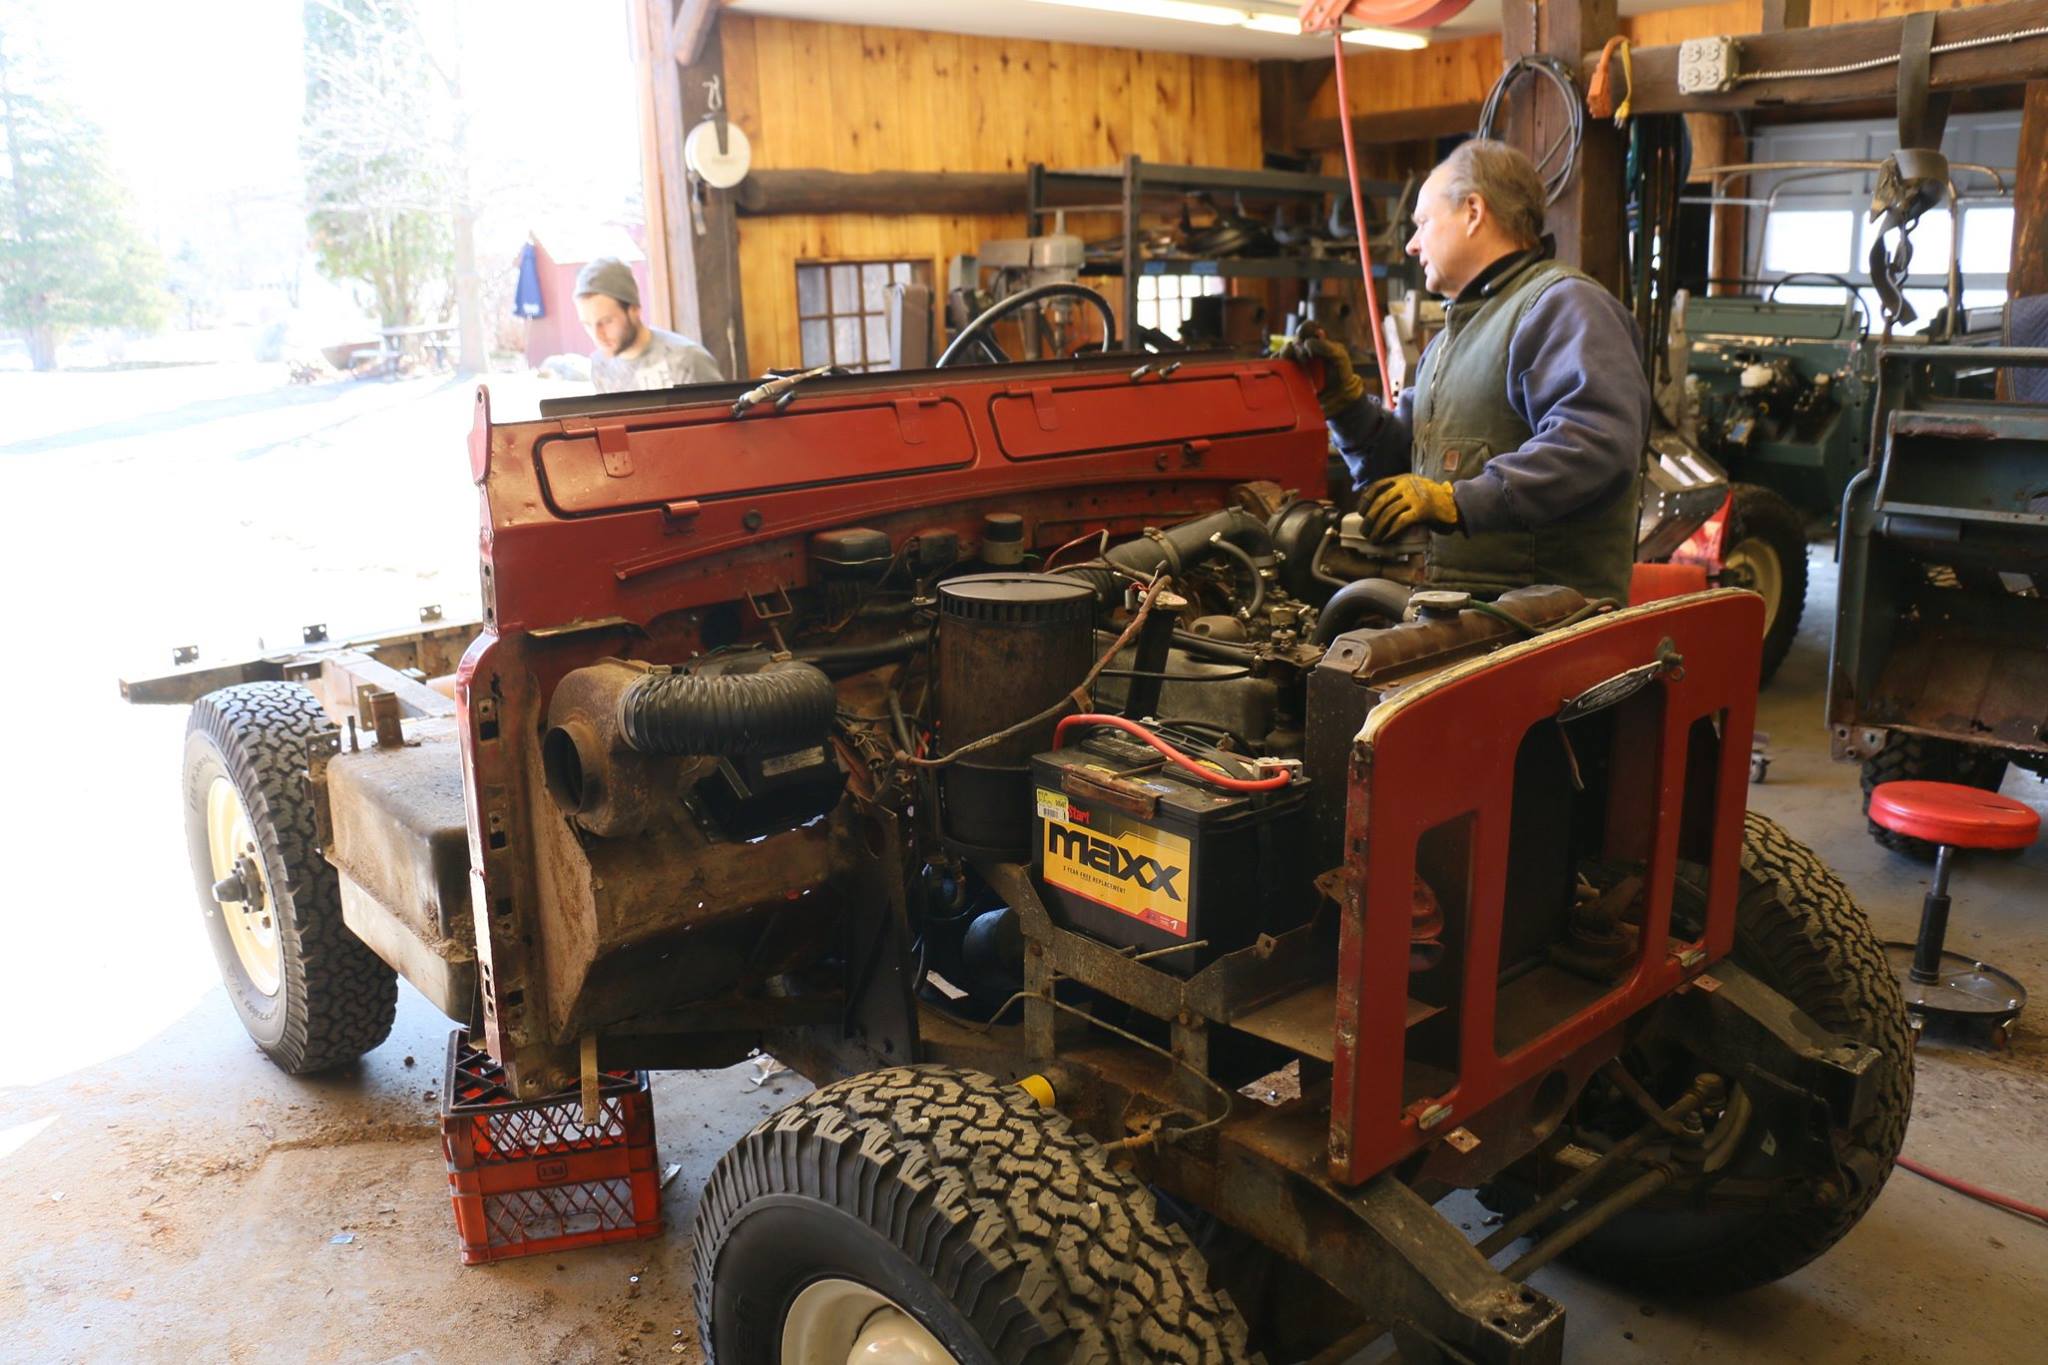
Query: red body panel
(1448,750)
(633,514)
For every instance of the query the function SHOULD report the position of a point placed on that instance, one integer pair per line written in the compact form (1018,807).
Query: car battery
(1148,856)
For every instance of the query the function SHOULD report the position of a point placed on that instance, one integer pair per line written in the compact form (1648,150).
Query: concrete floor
(165,1195)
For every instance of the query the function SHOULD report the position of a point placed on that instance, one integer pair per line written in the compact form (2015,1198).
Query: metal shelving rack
(1139,184)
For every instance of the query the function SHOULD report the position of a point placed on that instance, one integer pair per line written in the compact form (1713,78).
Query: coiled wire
(1574,134)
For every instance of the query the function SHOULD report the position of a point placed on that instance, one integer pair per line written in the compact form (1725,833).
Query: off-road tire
(1007,1233)
(336,999)
(1925,759)
(1758,513)
(1799,931)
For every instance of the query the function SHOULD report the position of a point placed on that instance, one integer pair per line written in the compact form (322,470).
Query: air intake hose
(781,707)
(1175,549)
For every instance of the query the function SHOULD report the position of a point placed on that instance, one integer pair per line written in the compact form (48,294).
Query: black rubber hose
(1175,549)
(840,661)
(1357,600)
(782,707)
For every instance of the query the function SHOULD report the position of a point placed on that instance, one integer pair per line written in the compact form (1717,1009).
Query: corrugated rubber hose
(781,707)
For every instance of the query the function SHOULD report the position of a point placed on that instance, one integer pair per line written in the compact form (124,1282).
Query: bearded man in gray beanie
(630,354)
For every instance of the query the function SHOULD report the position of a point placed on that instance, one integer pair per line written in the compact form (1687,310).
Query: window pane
(1809,239)
(810,290)
(846,340)
(873,280)
(817,337)
(878,340)
(1212,284)
(846,289)
(901,272)
(1987,241)
(1148,312)
(1982,298)
(1809,293)
(1148,287)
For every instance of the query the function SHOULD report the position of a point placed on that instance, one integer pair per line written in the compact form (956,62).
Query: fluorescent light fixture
(1227,16)
(1393,38)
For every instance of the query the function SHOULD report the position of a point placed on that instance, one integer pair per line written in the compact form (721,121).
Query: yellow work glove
(1391,506)
(1329,368)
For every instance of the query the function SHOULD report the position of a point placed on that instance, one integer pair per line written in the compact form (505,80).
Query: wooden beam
(1397,125)
(690,27)
(1586,218)
(1996,63)
(1781,16)
(767,192)
(2028,274)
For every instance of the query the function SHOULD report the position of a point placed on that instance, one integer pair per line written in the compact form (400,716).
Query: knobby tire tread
(1049,1251)
(1800,931)
(340,998)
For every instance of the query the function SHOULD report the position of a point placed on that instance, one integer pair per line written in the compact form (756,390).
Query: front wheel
(1764,550)
(1797,930)
(934,1216)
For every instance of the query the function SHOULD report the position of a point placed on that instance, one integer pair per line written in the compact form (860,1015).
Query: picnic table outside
(432,340)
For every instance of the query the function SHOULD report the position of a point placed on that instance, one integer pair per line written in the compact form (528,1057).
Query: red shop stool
(1935,982)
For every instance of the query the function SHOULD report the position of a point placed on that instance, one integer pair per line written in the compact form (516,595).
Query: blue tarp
(526,298)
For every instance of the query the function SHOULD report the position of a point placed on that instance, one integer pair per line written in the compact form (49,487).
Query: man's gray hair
(1505,179)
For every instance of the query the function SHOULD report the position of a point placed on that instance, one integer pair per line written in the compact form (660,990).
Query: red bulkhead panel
(1039,421)
(1433,785)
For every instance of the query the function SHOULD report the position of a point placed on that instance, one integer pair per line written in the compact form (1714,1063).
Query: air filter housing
(1010,646)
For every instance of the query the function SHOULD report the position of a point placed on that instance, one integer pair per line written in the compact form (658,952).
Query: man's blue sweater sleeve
(1575,376)
(1373,441)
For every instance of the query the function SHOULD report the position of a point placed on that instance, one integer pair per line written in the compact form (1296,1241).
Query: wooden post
(657,138)
(2028,273)
(692,230)
(710,226)
(1587,217)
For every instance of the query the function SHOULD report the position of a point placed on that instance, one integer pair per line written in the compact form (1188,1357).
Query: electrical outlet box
(1706,65)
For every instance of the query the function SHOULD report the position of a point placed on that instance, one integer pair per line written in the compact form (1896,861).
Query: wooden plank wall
(851,98)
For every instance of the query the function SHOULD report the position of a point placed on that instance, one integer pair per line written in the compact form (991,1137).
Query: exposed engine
(1158,727)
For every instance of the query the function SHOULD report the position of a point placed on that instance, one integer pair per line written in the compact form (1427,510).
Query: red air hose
(1173,755)
(1372,293)
(1992,1197)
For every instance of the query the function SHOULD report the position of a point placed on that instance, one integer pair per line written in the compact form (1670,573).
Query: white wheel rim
(841,1322)
(251,923)
(1754,565)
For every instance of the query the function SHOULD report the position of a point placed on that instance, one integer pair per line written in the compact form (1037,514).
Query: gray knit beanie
(609,275)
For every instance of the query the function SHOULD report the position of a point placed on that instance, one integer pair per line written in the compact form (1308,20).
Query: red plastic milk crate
(529,1177)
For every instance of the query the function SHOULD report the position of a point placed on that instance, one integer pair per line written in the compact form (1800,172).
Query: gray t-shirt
(668,360)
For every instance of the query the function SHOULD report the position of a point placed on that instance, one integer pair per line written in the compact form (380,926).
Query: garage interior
(848,185)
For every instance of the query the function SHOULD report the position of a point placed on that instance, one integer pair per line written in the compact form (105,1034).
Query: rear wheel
(1764,549)
(1798,930)
(1925,759)
(307,990)
(931,1216)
